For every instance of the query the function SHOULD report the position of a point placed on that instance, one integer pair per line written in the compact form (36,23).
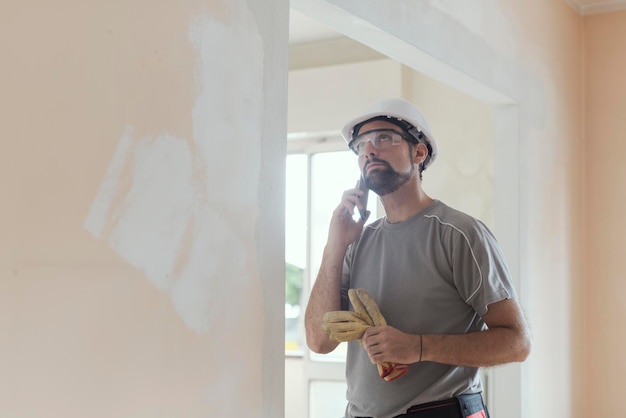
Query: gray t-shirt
(434,273)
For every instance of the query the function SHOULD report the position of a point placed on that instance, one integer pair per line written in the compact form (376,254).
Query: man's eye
(384,137)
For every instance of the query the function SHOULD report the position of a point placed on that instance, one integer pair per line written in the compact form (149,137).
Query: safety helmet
(401,113)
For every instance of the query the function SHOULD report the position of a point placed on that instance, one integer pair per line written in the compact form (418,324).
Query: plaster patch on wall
(227,124)
(184,211)
(155,211)
(96,219)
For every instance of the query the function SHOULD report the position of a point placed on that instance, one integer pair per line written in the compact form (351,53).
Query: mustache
(375,160)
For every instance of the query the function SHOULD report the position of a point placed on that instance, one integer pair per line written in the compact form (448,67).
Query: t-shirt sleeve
(480,271)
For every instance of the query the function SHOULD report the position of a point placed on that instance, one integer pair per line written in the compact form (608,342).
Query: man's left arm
(506,340)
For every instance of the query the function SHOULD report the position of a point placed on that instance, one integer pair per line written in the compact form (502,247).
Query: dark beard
(387,180)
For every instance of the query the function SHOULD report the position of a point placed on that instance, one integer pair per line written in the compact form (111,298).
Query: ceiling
(313,44)
(303,29)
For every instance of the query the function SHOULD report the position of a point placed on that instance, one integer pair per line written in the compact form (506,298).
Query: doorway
(490,177)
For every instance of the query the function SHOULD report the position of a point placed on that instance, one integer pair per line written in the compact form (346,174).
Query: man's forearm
(506,340)
(325,297)
(487,348)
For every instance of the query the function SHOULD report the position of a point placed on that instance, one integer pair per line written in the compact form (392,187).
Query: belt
(444,408)
(462,406)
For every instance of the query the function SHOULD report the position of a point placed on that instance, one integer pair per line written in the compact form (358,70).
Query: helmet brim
(348,130)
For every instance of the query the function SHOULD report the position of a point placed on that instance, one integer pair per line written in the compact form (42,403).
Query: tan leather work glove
(347,326)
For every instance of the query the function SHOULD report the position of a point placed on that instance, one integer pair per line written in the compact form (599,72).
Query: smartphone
(363,197)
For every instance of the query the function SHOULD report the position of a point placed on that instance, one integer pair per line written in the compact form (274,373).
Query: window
(317,174)
(296,227)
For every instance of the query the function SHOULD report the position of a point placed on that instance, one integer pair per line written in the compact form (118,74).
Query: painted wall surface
(463,127)
(605,131)
(142,171)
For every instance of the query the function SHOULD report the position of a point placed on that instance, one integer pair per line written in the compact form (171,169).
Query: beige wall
(605,147)
(142,145)
(464,128)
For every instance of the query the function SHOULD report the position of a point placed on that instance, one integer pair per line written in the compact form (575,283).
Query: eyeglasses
(380,139)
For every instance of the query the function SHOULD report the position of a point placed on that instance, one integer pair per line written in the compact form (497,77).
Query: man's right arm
(326,293)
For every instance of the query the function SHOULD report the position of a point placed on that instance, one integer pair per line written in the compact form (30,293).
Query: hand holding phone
(363,198)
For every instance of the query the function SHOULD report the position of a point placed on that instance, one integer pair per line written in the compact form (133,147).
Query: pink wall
(605,147)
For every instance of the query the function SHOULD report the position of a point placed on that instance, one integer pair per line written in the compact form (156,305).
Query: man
(437,275)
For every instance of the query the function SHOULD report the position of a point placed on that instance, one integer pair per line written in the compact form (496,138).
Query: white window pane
(332,173)
(296,203)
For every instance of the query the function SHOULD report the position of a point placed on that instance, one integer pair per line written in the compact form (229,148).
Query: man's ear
(420,152)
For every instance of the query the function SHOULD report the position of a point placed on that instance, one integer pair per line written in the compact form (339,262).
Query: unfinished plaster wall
(142,171)
(605,284)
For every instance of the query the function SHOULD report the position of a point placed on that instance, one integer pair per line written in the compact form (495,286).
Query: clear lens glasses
(380,139)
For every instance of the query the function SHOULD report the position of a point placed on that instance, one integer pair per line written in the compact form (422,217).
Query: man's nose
(369,149)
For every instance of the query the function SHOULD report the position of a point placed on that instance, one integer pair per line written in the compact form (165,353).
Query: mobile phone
(363,198)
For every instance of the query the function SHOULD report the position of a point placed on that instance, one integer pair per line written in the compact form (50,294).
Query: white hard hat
(398,110)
